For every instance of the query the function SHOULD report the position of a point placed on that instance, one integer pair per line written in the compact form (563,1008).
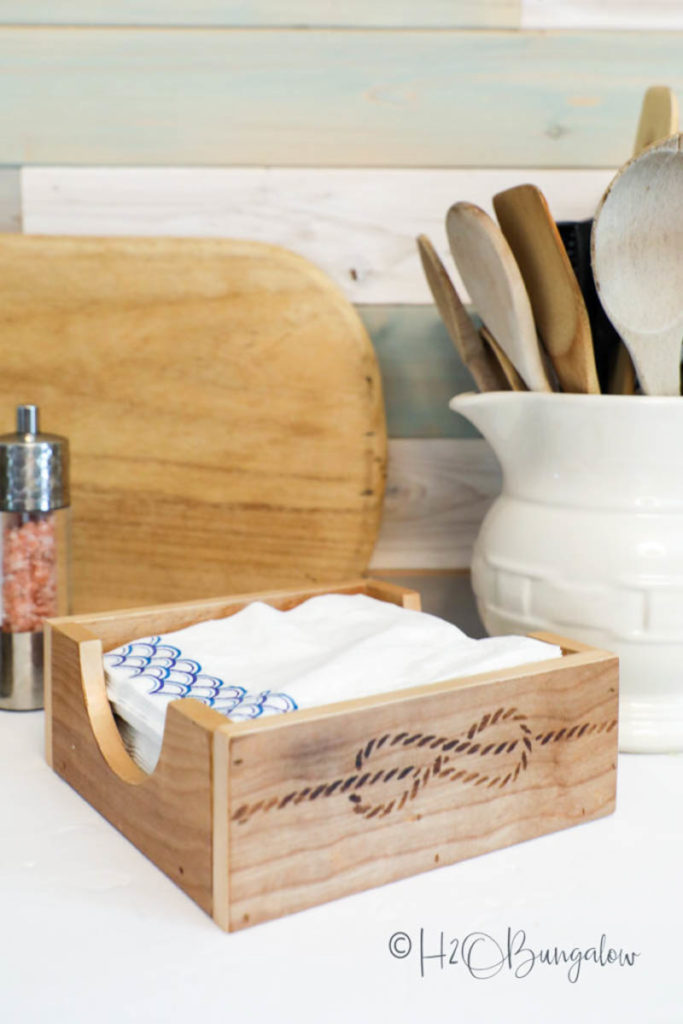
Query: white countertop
(92,931)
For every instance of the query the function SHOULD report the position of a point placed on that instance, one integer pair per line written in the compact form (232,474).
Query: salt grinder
(35,553)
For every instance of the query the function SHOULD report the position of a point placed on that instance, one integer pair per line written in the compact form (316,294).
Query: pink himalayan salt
(29,574)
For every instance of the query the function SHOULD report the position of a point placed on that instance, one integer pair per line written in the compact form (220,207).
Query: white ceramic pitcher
(586,538)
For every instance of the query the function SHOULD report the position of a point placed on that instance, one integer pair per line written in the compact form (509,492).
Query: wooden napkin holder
(257,819)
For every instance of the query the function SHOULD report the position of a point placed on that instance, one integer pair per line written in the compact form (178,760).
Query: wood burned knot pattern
(424,759)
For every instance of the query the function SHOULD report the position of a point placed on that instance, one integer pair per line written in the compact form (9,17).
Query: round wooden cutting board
(223,405)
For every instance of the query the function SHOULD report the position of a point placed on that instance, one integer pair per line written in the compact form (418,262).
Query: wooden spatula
(556,300)
(492,278)
(485,369)
(658,117)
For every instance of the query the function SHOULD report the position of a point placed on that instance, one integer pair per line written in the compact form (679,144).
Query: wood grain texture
(221,830)
(314,800)
(438,492)
(169,815)
(420,368)
(332,804)
(478,359)
(175,815)
(493,279)
(223,405)
(265,13)
(326,98)
(514,381)
(357,224)
(559,310)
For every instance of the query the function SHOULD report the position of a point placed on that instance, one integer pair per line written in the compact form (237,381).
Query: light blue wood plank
(335,98)
(352,13)
(421,371)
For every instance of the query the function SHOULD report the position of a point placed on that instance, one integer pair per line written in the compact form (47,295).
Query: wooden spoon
(493,280)
(485,370)
(636,247)
(658,117)
(556,300)
(513,378)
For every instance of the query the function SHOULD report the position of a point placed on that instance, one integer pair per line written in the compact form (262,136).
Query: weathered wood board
(223,404)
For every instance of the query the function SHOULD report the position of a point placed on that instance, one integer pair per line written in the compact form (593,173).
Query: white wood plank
(437,495)
(607,14)
(359,225)
(10,199)
(265,13)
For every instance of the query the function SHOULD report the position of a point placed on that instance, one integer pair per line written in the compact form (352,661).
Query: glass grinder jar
(34,554)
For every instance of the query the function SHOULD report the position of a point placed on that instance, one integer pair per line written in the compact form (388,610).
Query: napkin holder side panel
(255,820)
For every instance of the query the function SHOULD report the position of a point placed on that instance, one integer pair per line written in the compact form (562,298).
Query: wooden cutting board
(223,404)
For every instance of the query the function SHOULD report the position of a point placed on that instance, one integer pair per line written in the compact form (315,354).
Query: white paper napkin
(262,661)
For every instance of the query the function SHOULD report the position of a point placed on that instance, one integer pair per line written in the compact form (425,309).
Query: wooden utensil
(485,370)
(636,262)
(608,347)
(658,117)
(514,381)
(556,301)
(492,278)
(223,404)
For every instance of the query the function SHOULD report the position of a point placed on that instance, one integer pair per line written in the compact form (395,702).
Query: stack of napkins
(261,661)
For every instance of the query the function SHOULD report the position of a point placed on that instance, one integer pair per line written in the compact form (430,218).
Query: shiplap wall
(340,131)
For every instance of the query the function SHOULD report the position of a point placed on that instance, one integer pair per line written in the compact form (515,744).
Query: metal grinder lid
(34,467)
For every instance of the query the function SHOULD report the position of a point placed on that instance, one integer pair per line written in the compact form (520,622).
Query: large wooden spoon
(636,251)
(556,300)
(492,278)
(485,370)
